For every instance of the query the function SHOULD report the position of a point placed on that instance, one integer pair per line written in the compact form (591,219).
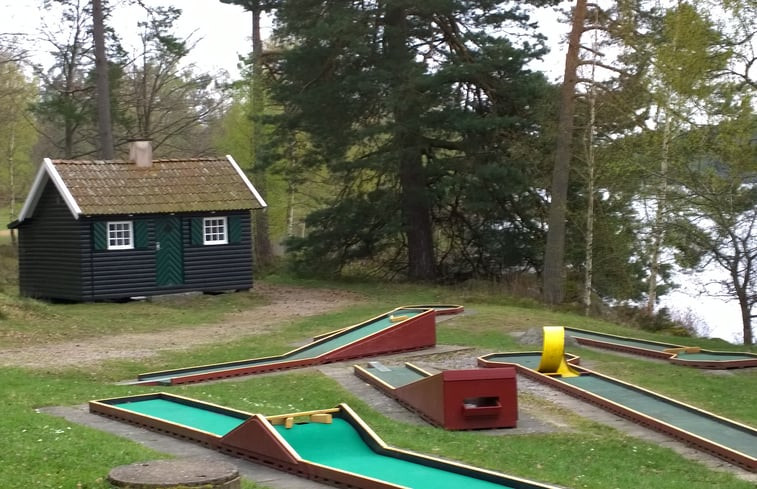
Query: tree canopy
(421,112)
(414,140)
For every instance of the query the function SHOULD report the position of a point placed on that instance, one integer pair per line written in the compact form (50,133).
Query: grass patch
(48,452)
(30,321)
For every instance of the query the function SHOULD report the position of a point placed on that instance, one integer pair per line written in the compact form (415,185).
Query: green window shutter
(235,229)
(100,235)
(141,238)
(196,228)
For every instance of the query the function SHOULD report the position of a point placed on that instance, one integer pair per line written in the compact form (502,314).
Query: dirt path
(286,304)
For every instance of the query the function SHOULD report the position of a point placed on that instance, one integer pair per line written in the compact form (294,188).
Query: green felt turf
(314,350)
(338,445)
(618,340)
(700,424)
(650,345)
(353,334)
(714,356)
(528,360)
(396,376)
(191,416)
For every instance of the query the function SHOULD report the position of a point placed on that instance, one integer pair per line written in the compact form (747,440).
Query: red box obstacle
(455,399)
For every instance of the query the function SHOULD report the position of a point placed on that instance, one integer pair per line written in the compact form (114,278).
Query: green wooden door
(169,266)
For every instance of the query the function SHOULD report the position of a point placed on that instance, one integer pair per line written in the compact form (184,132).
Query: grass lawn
(43,451)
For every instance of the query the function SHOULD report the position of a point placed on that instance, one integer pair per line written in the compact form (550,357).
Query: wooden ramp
(453,399)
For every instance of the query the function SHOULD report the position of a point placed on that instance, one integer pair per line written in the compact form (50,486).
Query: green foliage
(66,111)
(718,224)
(425,140)
(361,227)
(160,99)
(687,52)
(17,138)
(152,96)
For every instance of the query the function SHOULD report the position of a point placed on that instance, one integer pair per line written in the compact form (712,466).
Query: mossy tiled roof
(169,185)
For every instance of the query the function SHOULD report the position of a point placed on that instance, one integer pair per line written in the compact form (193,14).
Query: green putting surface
(654,346)
(619,340)
(396,376)
(183,414)
(314,350)
(691,420)
(713,356)
(351,335)
(528,360)
(338,445)
(709,427)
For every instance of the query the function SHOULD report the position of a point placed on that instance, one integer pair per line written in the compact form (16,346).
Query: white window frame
(215,230)
(120,235)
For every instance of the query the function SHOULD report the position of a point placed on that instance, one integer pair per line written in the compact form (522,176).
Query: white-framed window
(120,235)
(215,231)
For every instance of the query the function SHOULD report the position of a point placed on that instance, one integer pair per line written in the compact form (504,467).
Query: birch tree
(685,57)
(17,134)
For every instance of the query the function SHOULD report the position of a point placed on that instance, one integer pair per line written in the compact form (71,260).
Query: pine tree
(416,109)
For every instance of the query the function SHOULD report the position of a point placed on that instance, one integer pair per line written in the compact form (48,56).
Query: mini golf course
(333,446)
(402,329)
(691,356)
(724,438)
(453,399)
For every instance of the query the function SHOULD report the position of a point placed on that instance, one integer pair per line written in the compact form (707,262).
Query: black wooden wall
(49,247)
(116,274)
(59,259)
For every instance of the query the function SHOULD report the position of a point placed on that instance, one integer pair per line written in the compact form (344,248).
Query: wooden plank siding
(219,267)
(58,258)
(50,250)
(117,274)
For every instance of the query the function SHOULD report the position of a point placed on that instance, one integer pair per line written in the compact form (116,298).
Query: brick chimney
(140,152)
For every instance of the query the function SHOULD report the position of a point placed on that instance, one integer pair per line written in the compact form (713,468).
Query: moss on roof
(169,185)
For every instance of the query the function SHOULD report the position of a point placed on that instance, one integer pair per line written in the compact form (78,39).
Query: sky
(223,33)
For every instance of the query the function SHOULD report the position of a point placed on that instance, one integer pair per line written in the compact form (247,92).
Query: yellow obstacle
(553,353)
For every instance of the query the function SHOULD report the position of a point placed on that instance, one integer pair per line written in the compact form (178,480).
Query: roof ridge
(129,162)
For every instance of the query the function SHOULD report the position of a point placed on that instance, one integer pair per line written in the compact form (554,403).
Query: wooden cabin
(108,230)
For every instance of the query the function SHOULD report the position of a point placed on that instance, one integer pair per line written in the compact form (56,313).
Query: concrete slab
(177,473)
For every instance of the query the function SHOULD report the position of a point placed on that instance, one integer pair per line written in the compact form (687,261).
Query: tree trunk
(748,338)
(589,238)
(12,179)
(417,218)
(262,235)
(414,200)
(740,280)
(746,322)
(104,127)
(553,291)
(658,226)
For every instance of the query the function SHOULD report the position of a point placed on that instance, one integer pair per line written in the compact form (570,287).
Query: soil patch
(285,304)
